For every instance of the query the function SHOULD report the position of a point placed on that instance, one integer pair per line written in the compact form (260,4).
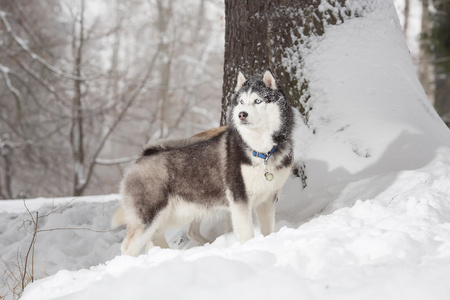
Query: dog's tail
(163,145)
(118,218)
(209,134)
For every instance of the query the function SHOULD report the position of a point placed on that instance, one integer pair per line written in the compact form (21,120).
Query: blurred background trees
(436,43)
(84,84)
(426,25)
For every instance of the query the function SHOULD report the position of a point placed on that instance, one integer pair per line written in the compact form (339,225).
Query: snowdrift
(372,223)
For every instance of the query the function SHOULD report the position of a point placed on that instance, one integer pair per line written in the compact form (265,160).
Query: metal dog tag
(269,176)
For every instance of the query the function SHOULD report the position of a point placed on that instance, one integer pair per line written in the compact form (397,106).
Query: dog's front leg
(241,218)
(266,215)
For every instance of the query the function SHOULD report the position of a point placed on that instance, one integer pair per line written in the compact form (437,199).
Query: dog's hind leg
(130,244)
(158,240)
(194,232)
(137,236)
(118,218)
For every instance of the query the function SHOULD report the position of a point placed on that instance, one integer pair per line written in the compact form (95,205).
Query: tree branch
(117,161)
(9,85)
(33,55)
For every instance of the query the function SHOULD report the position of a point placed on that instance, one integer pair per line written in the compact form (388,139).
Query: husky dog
(242,167)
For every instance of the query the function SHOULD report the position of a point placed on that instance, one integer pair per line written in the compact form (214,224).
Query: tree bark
(426,69)
(406,23)
(6,152)
(77,133)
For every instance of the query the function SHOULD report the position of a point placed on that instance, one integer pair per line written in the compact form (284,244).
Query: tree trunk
(426,69)
(6,153)
(435,44)
(77,133)
(268,34)
(164,15)
(406,22)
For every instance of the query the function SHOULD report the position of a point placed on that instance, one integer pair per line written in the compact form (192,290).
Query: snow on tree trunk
(370,118)
(273,34)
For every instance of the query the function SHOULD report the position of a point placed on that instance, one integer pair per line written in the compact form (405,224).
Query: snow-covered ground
(373,222)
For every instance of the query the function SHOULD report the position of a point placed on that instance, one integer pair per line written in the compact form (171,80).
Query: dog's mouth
(248,125)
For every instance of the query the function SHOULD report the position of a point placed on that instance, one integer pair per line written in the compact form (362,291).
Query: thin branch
(31,249)
(53,210)
(9,85)
(33,97)
(33,55)
(38,78)
(74,229)
(117,161)
(92,112)
(33,240)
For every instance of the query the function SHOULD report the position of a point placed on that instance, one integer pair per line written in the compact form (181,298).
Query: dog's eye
(242,101)
(258,101)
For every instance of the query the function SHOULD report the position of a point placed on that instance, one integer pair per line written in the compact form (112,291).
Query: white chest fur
(258,188)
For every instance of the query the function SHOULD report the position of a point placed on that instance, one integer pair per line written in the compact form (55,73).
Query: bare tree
(82,109)
(77,128)
(22,66)
(75,82)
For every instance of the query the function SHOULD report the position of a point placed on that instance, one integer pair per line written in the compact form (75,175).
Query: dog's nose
(243,115)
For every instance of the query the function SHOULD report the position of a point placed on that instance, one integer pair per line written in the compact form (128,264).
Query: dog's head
(258,103)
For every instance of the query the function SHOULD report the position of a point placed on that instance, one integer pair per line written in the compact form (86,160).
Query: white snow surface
(373,222)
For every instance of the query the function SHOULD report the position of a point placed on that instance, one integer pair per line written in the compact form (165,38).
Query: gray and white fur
(173,186)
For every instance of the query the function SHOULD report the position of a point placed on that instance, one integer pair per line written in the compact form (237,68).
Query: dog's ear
(269,80)
(240,81)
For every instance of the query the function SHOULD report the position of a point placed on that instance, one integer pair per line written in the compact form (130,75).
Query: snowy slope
(393,246)
(60,249)
(373,222)
(370,115)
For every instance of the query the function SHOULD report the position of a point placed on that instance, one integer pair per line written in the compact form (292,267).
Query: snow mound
(396,245)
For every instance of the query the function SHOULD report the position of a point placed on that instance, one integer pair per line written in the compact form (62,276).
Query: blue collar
(265,156)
